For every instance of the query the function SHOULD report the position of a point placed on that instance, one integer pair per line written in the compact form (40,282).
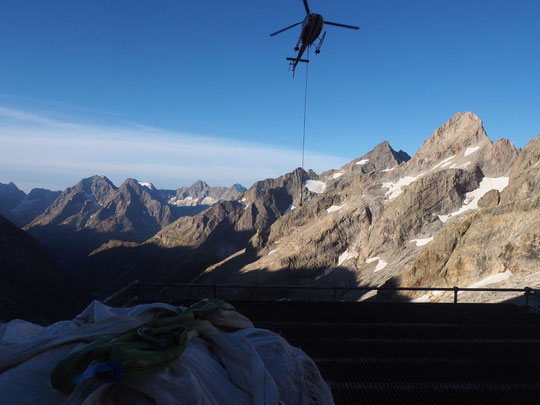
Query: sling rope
(304,132)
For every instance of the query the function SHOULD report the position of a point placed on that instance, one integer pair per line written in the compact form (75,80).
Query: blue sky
(172,91)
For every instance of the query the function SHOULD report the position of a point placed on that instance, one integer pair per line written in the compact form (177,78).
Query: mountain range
(462,211)
(94,211)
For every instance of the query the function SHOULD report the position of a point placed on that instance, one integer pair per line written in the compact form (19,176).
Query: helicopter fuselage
(311,28)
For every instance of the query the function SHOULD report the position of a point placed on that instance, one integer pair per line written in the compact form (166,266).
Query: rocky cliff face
(497,244)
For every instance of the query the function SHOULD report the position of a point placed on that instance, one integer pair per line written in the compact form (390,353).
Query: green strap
(142,351)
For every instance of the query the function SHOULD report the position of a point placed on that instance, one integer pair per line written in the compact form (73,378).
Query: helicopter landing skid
(318,47)
(299,60)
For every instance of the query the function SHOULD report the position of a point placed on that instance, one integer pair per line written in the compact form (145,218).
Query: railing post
(215,291)
(527,292)
(456,289)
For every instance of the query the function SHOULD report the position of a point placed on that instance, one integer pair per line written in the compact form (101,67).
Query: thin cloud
(33,146)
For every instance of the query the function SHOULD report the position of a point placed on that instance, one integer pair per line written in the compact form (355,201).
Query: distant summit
(21,208)
(200,193)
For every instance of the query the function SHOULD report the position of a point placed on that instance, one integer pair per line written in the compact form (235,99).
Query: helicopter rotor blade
(306,6)
(285,29)
(353,27)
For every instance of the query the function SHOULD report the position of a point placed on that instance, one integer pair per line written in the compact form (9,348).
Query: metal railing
(135,289)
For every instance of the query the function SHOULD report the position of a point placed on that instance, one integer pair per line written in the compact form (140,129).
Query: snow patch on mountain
(493,279)
(380,265)
(208,201)
(471,150)
(147,185)
(325,273)
(185,201)
(337,175)
(421,242)
(362,162)
(291,207)
(444,162)
(335,208)
(315,186)
(471,199)
(395,189)
(346,256)
(462,166)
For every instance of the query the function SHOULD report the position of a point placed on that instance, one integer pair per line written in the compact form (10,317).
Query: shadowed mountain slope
(183,249)
(32,287)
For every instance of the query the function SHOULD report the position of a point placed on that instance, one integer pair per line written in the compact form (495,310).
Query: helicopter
(312,26)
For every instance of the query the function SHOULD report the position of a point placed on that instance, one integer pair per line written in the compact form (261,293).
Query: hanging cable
(304,132)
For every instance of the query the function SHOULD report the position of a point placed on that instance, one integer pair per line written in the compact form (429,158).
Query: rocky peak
(96,187)
(32,205)
(197,190)
(525,174)
(238,187)
(384,148)
(9,187)
(461,131)
(383,155)
(199,185)
(292,182)
(380,158)
(498,158)
(90,193)
(201,194)
(233,192)
(101,187)
(10,196)
(132,185)
(37,193)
